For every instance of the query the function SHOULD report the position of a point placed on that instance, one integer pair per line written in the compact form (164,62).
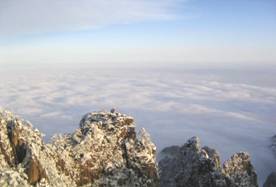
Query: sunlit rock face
(25,159)
(104,151)
(193,166)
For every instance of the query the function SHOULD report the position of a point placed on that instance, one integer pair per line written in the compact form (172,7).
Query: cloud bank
(32,16)
(50,92)
(230,112)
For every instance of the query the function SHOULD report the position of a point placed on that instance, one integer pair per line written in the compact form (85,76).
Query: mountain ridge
(106,150)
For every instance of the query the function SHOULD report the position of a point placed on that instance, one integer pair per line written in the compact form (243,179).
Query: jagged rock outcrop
(273,144)
(271,180)
(104,151)
(193,166)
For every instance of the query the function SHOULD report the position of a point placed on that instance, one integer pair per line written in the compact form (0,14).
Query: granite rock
(271,180)
(104,151)
(194,166)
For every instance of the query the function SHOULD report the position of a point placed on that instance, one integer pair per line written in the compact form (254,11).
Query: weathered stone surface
(273,144)
(11,177)
(193,166)
(271,180)
(104,151)
(22,149)
(240,171)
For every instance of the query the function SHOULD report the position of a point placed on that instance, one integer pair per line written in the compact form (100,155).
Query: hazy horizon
(229,110)
(182,68)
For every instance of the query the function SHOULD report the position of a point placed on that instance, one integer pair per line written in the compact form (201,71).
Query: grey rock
(239,170)
(106,151)
(273,144)
(193,166)
(271,180)
(112,110)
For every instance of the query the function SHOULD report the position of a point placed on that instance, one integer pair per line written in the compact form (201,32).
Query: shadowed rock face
(271,180)
(104,151)
(193,166)
(273,144)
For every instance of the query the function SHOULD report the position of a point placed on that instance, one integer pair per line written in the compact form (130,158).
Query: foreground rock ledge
(104,151)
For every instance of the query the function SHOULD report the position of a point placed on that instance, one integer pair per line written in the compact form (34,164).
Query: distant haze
(182,68)
(230,110)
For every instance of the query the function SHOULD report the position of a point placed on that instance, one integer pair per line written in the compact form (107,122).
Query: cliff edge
(194,166)
(106,151)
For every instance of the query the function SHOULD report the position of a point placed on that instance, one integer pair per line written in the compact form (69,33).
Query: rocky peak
(271,180)
(193,166)
(104,151)
(273,144)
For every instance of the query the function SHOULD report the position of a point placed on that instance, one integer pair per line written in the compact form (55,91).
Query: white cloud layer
(32,16)
(50,93)
(229,111)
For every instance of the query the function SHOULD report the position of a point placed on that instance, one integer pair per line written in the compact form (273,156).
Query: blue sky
(200,32)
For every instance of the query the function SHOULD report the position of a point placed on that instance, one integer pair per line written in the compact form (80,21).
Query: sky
(136,32)
(229,110)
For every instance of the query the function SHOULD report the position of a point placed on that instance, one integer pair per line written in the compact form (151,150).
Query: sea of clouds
(229,110)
